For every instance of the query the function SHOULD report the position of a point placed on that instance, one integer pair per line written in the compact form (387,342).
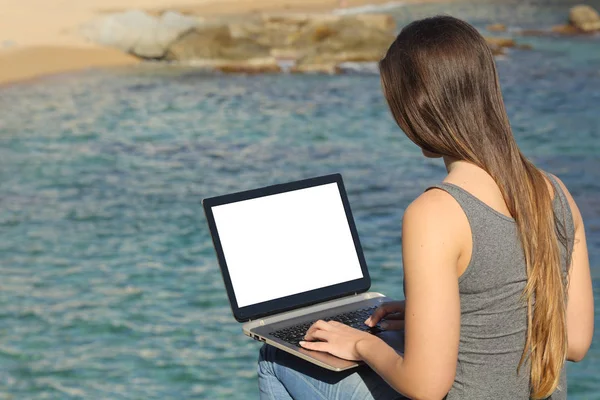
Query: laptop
(290,255)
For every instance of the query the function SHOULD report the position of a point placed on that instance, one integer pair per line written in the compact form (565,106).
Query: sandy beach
(41,37)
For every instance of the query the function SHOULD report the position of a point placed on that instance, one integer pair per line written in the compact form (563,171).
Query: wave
(369,8)
(369,68)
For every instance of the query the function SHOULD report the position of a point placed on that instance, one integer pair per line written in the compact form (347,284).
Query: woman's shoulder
(433,203)
(436,229)
(436,212)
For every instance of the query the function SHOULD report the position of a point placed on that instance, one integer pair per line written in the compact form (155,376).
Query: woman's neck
(460,170)
(453,164)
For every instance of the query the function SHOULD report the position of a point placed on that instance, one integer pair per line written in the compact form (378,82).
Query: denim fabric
(284,376)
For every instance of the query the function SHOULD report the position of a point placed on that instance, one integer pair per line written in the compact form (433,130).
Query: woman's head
(440,81)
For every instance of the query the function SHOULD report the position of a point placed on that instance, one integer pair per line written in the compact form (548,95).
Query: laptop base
(261,329)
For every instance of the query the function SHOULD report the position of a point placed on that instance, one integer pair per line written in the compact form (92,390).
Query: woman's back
(493,326)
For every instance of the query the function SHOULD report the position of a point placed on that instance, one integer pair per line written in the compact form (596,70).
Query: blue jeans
(284,376)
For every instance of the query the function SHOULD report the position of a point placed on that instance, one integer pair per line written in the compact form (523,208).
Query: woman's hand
(335,338)
(392,311)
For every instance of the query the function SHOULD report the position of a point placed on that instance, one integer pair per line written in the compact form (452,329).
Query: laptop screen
(287,243)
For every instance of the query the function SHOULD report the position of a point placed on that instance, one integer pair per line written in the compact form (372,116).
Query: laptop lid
(286,246)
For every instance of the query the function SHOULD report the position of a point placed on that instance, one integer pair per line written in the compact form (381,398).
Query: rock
(345,33)
(533,32)
(346,40)
(499,44)
(584,18)
(214,47)
(565,30)
(268,30)
(496,28)
(253,66)
(139,33)
(496,50)
(214,42)
(500,41)
(322,46)
(382,22)
(288,53)
(557,29)
(293,36)
(307,68)
(320,56)
(317,43)
(257,66)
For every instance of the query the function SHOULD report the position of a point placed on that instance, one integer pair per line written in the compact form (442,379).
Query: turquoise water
(109,286)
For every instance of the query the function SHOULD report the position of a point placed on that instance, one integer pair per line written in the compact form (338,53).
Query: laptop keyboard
(356,319)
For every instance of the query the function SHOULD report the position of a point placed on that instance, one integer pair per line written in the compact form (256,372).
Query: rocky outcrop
(496,28)
(325,46)
(214,47)
(252,66)
(565,30)
(497,50)
(295,37)
(316,67)
(138,33)
(254,44)
(500,42)
(314,43)
(584,18)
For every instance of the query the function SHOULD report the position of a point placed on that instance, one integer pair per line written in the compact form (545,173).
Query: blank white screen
(288,243)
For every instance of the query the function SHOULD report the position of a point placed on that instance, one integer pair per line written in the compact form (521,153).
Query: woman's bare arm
(430,250)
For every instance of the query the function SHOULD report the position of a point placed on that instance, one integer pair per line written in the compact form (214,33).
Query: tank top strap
(473,207)
(461,196)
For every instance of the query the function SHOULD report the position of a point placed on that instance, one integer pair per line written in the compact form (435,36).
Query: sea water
(109,285)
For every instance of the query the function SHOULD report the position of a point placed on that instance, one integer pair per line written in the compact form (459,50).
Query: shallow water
(110,287)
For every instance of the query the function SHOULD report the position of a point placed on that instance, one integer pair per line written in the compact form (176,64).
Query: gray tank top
(493,324)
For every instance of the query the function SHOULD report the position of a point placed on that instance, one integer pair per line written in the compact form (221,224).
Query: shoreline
(34,62)
(38,40)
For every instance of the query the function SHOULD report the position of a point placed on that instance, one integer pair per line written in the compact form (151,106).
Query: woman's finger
(317,334)
(383,310)
(395,316)
(320,324)
(335,324)
(392,325)
(317,346)
(377,315)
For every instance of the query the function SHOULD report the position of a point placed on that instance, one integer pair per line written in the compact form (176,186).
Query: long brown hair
(440,81)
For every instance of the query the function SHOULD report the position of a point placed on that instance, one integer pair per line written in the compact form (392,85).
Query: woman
(490,256)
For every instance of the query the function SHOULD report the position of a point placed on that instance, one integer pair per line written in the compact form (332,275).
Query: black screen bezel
(275,306)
